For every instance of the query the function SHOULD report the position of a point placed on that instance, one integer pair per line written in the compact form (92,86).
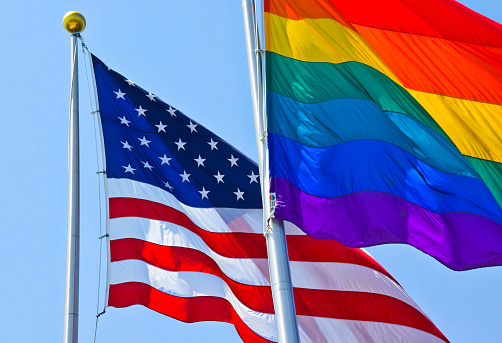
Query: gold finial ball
(74,22)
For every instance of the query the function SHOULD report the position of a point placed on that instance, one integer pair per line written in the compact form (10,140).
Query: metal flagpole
(74,23)
(280,275)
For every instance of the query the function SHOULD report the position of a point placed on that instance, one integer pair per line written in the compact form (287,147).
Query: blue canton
(150,141)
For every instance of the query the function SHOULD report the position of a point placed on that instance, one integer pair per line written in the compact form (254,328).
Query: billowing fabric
(384,124)
(186,236)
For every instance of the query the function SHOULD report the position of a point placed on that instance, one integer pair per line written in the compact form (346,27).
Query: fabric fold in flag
(383,124)
(186,235)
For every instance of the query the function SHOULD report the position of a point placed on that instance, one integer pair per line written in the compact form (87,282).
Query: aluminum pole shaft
(282,287)
(70,329)
(254,81)
(280,275)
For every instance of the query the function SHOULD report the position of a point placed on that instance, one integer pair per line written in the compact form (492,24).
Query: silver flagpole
(278,261)
(74,23)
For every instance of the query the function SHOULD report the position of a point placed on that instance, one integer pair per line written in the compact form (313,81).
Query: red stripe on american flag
(362,307)
(188,310)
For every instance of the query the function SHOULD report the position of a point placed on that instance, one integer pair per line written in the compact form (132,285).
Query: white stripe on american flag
(328,330)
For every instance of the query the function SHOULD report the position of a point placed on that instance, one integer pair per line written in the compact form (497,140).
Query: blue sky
(192,54)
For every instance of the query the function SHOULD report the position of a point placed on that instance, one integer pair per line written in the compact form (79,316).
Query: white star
(180,144)
(165,160)
(253,177)
(130,82)
(144,141)
(192,127)
(129,169)
(147,165)
(126,145)
(219,177)
(141,111)
(151,96)
(213,144)
(120,94)
(185,176)
(161,127)
(167,185)
(233,160)
(240,194)
(203,192)
(171,111)
(123,120)
(200,161)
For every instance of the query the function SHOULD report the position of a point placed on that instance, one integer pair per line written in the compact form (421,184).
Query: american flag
(186,236)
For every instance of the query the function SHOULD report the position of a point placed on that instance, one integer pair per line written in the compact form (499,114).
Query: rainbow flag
(385,124)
